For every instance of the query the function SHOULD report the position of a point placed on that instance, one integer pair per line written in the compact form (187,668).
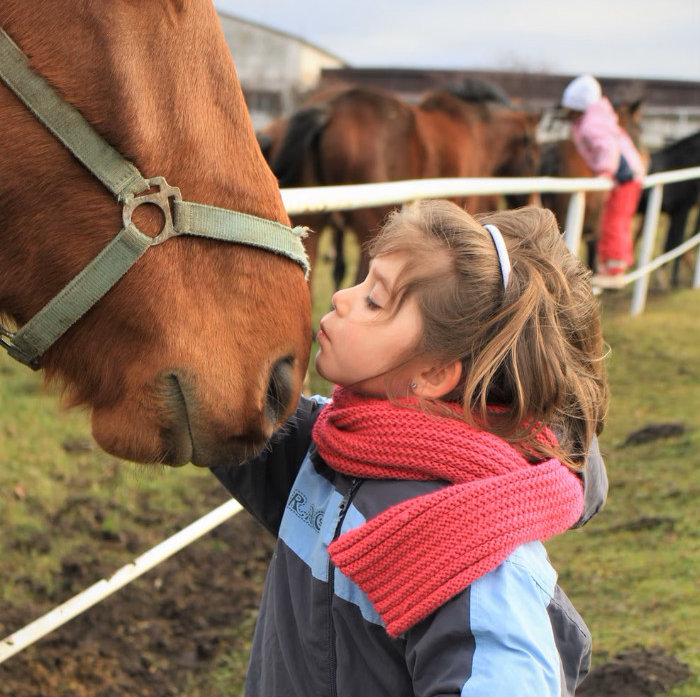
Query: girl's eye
(371,304)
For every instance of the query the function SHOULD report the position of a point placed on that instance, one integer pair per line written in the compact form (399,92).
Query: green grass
(632,572)
(40,481)
(634,585)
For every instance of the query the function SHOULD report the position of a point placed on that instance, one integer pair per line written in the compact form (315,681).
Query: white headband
(502,252)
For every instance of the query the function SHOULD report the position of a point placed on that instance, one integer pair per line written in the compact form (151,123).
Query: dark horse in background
(678,198)
(358,135)
(561,159)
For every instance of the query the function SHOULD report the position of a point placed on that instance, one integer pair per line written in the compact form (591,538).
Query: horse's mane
(479,94)
(447,103)
(472,89)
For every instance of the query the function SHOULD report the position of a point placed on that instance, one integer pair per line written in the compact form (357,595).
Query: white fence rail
(353,196)
(331,198)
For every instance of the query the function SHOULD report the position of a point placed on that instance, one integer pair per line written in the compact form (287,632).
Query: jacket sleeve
(495,638)
(262,484)
(604,155)
(598,146)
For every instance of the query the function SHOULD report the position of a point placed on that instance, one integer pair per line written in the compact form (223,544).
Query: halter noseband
(123,179)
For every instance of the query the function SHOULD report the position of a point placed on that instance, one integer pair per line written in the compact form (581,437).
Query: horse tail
(299,143)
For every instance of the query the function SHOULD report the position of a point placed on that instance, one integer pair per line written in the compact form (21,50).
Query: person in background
(609,151)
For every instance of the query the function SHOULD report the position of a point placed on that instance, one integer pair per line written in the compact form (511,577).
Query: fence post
(651,222)
(574,221)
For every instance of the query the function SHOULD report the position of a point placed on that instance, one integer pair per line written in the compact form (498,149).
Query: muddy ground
(165,634)
(160,636)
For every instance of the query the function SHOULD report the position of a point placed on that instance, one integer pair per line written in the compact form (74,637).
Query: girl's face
(361,344)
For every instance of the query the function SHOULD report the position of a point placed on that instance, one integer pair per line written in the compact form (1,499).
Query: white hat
(581,93)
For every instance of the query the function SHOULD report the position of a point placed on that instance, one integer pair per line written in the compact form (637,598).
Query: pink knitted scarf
(418,554)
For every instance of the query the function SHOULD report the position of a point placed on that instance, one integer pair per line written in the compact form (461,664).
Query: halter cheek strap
(125,182)
(503,258)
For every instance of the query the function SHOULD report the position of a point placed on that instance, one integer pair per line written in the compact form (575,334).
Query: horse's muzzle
(211,435)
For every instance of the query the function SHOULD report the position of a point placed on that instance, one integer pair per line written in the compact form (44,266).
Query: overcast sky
(635,38)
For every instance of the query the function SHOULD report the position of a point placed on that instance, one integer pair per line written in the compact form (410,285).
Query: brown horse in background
(200,350)
(561,159)
(360,135)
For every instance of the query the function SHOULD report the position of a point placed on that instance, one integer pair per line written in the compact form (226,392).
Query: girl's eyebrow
(380,278)
(383,280)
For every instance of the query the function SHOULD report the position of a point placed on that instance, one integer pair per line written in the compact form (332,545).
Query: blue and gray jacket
(511,632)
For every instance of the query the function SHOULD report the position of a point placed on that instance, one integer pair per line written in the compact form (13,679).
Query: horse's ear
(635,107)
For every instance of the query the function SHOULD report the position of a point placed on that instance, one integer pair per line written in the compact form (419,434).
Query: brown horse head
(629,115)
(519,146)
(198,353)
(518,138)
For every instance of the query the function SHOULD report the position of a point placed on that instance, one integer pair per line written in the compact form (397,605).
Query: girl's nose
(340,300)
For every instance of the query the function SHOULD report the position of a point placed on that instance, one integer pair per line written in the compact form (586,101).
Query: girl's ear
(436,381)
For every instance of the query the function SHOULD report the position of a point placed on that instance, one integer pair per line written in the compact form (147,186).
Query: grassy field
(632,572)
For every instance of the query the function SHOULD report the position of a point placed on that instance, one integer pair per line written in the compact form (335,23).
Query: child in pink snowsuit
(608,150)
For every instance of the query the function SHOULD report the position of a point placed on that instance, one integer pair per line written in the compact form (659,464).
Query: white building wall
(275,69)
(311,63)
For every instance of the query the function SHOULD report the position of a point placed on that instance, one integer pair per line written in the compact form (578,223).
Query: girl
(409,509)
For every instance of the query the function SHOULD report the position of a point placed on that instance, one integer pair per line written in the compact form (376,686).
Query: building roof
(536,88)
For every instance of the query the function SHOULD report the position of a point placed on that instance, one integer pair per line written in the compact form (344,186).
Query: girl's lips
(321,334)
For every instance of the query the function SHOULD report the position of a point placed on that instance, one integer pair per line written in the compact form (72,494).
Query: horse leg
(674,237)
(339,266)
(592,218)
(592,249)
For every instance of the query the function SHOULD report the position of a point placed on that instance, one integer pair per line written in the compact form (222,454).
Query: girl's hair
(532,353)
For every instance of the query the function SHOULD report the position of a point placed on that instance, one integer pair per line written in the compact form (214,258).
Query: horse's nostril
(279,389)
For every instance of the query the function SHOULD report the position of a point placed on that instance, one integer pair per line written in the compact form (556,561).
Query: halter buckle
(162,199)
(6,334)
(8,344)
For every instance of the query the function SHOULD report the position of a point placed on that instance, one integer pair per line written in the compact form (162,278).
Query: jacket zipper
(332,658)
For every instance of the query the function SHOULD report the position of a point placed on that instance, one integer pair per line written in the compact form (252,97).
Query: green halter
(121,177)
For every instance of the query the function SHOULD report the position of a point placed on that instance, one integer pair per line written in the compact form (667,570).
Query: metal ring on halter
(161,199)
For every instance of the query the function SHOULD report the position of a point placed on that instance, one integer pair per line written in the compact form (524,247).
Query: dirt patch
(162,635)
(637,673)
(652,432)
(153,638)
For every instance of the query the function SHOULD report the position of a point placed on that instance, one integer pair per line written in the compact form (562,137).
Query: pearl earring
(413,385)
